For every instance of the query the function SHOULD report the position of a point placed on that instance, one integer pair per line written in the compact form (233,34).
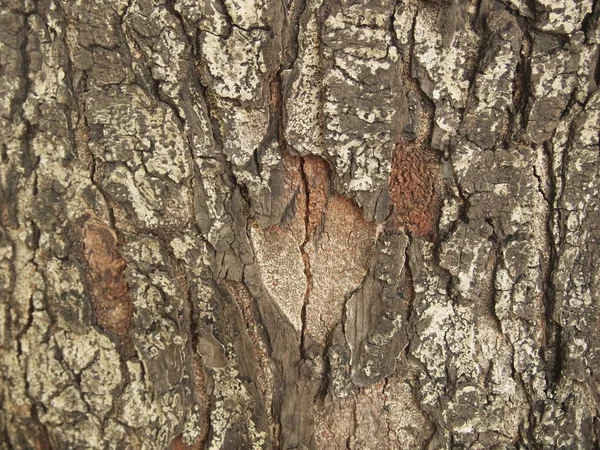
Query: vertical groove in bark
(305,257)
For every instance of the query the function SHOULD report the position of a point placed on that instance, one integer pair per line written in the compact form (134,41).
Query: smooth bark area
(299,224)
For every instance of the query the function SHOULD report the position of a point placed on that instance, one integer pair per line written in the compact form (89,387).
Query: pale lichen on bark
(304,224)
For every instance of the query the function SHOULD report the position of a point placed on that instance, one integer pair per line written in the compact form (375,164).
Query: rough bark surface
(307,224)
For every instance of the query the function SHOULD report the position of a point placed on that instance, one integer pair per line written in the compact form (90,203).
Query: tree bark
(306,224)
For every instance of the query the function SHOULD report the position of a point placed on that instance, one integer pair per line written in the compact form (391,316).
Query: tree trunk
(300,224)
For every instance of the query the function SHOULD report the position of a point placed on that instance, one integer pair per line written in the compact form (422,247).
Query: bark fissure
(313,224)
(305,256)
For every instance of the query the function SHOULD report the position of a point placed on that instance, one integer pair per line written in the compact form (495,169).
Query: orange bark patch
(345,218)
(179,444)
(333,239)
(203,402)
(110,293)
(413,180)
(338,263)
(316,175)
(307,178)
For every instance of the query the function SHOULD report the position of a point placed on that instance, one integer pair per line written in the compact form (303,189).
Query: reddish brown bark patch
(316,174)
(345,217)
(110,294)
(413,180)
(307,180)
(178,444)
(203,402)
(333,238)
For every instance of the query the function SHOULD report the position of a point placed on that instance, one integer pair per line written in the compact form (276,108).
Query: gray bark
(306,224)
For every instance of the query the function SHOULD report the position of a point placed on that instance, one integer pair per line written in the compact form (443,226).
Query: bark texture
(299,224)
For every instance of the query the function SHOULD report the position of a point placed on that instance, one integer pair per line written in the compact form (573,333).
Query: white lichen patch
(562,16)
(234,64)
(465,255)
(72,407)
(137,191)
(26,284)
(246,14)
(486,122)
(462,157)
(446,65)
(244,131)
(232,406)
(94,359)
(360,83)
(133,128)
(403,21)
(156,416)
(216,193)
(304,116)
(553,78)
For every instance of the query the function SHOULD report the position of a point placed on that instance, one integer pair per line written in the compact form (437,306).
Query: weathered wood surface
(306,224)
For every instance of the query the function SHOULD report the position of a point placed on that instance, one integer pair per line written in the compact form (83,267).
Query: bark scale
(302,224)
